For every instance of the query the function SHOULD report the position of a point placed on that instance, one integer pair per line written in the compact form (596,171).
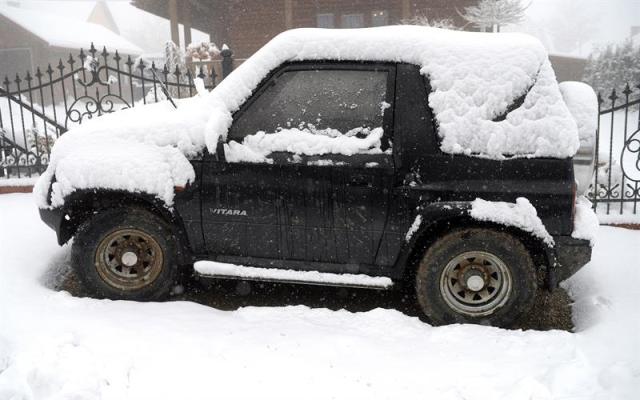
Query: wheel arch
(83,204)
(434,227)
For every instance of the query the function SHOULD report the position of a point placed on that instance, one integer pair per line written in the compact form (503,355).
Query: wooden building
(246,25)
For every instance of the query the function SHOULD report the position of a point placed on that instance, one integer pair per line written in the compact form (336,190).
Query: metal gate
(615,190)
(37,108)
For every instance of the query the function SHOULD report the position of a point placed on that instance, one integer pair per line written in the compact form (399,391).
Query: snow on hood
(142,149)
(474,77)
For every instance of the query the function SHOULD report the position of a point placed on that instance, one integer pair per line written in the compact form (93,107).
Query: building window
(352,21)
(325,21)
(379,18)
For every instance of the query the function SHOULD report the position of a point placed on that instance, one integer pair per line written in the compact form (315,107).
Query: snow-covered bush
(424,20)
(40,142)
(203,51)
(613,67)
(174,57)
(492,14)
(174,61)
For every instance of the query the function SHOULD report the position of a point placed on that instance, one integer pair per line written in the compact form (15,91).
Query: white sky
(595,21)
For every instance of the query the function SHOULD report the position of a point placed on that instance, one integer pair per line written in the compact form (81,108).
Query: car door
(299,161)
(335,210)
(240,209)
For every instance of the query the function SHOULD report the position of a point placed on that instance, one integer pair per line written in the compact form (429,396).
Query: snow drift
(475,78)
(55,346)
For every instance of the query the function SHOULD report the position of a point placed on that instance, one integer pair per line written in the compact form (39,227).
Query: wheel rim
(129,259)
(476,283)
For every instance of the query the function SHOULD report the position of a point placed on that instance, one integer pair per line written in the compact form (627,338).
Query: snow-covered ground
(53,345)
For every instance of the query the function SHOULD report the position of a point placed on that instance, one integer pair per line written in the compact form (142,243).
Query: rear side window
(325,101)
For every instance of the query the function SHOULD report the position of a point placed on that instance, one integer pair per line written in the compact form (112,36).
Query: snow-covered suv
(368,158)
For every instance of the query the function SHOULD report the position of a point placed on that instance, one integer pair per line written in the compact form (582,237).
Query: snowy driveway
(53,345)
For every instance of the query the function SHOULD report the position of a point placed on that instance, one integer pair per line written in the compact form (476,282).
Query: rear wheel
(125,254)
(476,276)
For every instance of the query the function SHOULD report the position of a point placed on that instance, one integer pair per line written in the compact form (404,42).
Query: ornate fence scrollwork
(630,157)
(88,106)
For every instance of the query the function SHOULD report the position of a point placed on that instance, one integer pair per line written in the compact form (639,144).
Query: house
(31,38)
(34,33)
(568,67)
(246,25)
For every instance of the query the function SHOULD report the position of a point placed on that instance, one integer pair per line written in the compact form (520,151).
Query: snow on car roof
(474,77)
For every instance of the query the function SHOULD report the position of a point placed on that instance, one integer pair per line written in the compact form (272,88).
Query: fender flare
(82,204)
(441,217)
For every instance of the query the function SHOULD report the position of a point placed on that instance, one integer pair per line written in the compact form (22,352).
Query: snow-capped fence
(37,108)
(615,189)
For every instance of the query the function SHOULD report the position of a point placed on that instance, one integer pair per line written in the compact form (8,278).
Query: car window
(325,99)
(311,113)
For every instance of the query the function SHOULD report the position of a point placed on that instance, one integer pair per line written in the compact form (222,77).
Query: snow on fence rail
(37,108)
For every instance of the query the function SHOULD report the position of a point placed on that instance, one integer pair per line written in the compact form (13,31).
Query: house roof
(144,29)
(67,33)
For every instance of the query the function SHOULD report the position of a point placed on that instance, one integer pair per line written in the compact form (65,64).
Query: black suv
(380,219)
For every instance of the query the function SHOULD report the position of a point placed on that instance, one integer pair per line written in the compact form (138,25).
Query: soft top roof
(475,77)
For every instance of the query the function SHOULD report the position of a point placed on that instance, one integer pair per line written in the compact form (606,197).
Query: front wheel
(476,276)
(125,254)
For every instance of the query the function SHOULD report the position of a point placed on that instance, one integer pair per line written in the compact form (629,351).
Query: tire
(477,276)
(125,254)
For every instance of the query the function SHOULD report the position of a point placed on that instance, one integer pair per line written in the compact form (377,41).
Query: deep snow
(53,345)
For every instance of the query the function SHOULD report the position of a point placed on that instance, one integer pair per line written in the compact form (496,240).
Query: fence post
(227,61)
(596,189)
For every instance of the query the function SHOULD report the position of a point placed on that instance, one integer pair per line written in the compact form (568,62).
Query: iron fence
(37,108)
(616,183)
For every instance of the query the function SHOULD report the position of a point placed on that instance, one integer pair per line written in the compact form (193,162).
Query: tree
(175,63)
(572,25)
(613,67)
(173,57)
(422,19)
(492,14)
